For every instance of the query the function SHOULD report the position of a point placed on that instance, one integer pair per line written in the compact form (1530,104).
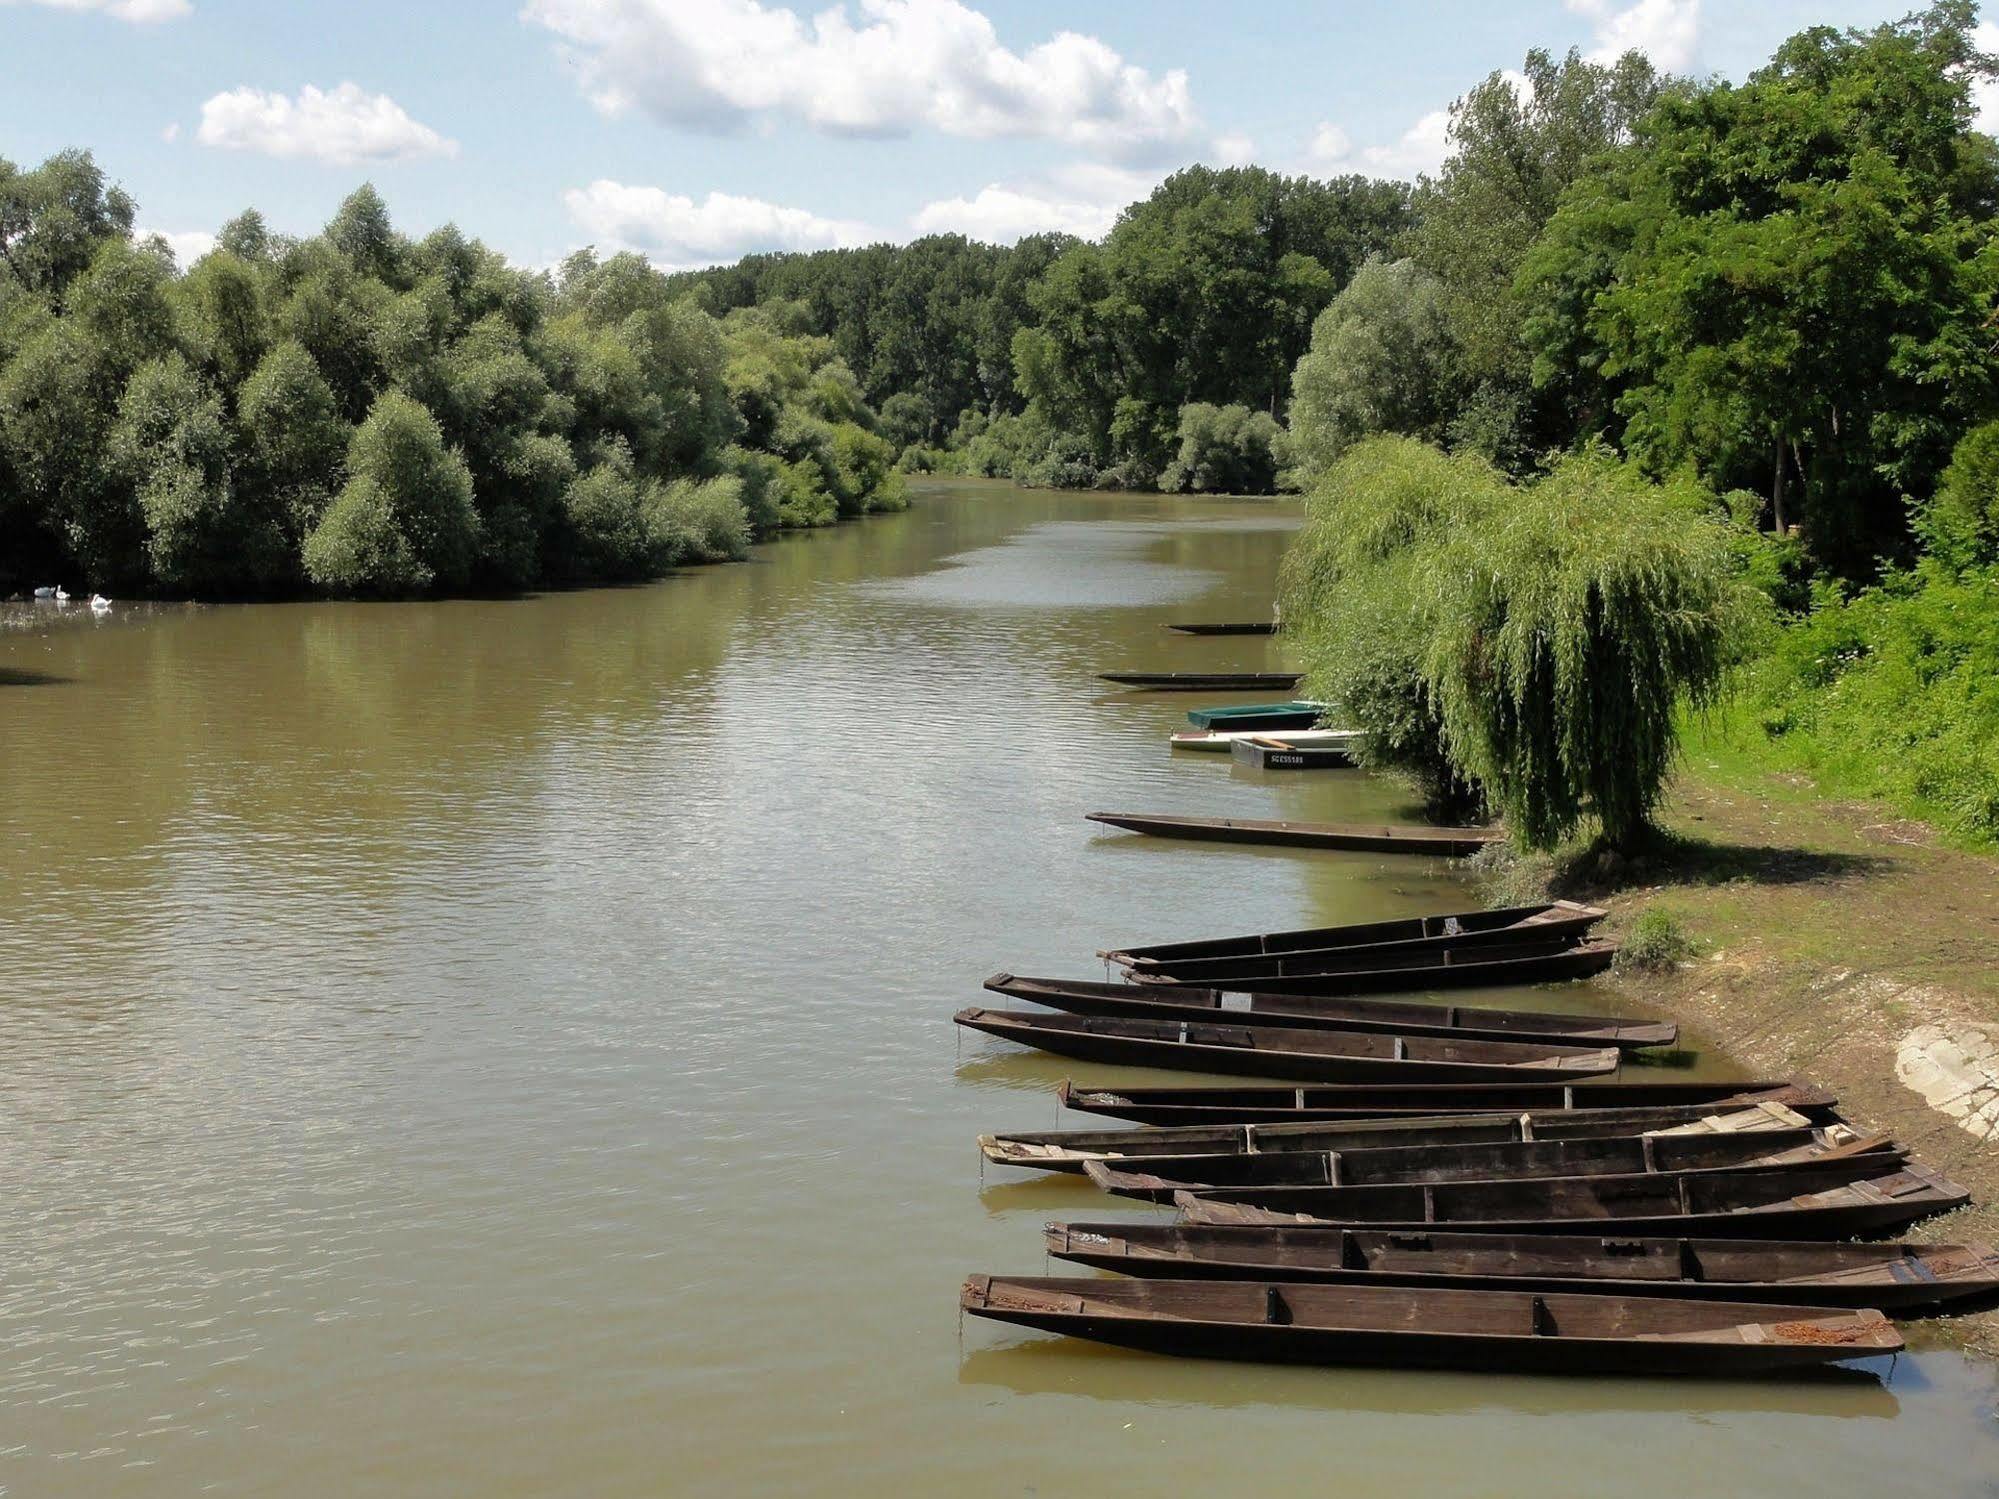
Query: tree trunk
(1777,490)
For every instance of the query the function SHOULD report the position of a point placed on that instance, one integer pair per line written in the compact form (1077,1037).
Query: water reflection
(1035,1364)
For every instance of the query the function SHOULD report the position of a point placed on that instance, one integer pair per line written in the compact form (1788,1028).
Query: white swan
(99,604)
(62,594)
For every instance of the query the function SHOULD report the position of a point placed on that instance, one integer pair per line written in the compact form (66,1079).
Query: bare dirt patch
(1841,945)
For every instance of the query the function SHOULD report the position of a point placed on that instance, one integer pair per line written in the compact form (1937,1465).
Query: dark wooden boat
(1251,627)
(1462,929)
(1068,1149)
(1333,1012)
(1552,960)
(1898,1278)
(1263,753)
(1289,1323)
(1157,1178)
(1203,681)
(1820,1202)
(1253,1104)
(1296,713)
(1277,1051)
(1449,842)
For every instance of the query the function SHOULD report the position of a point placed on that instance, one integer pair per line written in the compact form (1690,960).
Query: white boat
(1224,741)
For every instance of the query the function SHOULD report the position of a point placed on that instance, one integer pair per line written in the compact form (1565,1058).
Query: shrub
(1533,644)
(1226,450)
(405,520)
(690,521)
(1656,943)
(1961,523)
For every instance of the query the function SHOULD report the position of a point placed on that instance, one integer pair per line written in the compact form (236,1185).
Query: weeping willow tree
(1528,645)
(1358,596)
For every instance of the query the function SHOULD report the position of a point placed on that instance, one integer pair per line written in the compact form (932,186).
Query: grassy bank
(1819,937)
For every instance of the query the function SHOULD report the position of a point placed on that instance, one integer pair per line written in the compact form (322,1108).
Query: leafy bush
(1961,524)
(405,519)
(1532,643)
(1656,943)
(1226,450)
(689,521)
(1895,693)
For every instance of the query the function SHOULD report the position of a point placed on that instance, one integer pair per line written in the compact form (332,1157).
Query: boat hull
(1452,1329)
(1316,1012)
(1452,843)
(1088,1040)
(1898,1278)
(1264,1105)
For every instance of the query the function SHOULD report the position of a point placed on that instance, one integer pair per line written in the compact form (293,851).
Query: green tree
(1382,360)
(1787,283)
(404,520)
(1514,152)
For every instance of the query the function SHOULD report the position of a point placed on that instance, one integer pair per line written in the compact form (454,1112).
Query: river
(504,1047)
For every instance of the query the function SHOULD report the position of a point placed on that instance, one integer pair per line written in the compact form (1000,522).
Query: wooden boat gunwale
(1549,961)
(1829,1202)
(1159,1178)
(1259,1103)
(1451,929)
(1333,1012)
(1410,839)
(1202,681)
(1841,1274)
(1290,1322)
(1280,1052)
(1067,1149)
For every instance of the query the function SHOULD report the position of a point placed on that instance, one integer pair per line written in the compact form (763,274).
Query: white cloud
(143,12)
(188,245)
(342,126)
(1419,149)
(677,232)
(1664,30)
(1234,150)
(1082,198)
(1000,215)
(1985,91)
(889,67)
(171,133)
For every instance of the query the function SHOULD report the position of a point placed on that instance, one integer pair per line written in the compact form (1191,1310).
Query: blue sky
(698,130)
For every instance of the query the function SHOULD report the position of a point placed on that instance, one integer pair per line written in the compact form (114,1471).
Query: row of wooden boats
(1440,1184)
(1452,1185)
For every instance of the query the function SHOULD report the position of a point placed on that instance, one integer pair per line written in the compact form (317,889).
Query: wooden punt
(1202,681)
(1247,627)
(1454,843)
(1157,1178)
(1068,1149)
(1222,741)
(1450,928)
(1264,752)
(1289,1323)
(1898,1278)
(1255,1104)
(1295,713)
(1277,1051)
(1821,1202)
(1333,1012)
(1553,960)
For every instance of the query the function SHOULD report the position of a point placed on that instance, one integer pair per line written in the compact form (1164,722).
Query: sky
(697,131)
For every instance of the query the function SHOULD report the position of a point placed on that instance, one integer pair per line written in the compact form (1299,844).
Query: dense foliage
(365,414)
(1775,301)
(1525,646)
(1059,362)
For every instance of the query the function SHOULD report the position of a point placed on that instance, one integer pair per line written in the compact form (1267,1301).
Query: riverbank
(1832,940)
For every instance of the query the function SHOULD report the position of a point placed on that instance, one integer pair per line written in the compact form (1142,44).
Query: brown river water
(503,1047)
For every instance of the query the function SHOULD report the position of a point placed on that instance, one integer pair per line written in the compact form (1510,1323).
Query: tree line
(361,413)
(1674,384)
